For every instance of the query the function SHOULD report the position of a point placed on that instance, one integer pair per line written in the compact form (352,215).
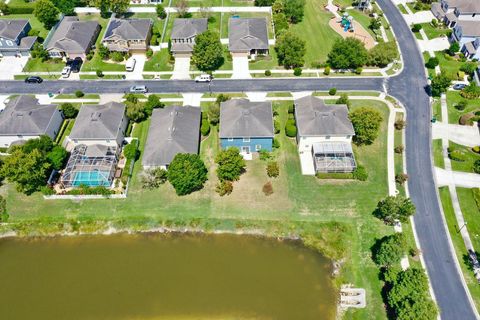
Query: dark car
(75,64)
(459,86)
(33,79)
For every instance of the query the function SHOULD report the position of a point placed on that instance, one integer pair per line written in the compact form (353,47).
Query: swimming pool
(91,178)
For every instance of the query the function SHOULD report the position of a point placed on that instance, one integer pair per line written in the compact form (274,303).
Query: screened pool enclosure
(333,157)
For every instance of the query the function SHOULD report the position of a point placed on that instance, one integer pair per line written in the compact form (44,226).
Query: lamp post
(462,227)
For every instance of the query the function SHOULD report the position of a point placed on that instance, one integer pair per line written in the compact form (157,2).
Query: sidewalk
(152,9)
(465,135)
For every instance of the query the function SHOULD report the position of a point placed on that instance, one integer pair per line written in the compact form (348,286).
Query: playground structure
(347,23)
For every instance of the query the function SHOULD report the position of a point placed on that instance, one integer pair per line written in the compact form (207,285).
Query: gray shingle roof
(98,121)
(128,29)
(72,35)
(172,130)
(245,34)
(188,28)
(23,115)
(315,118)
(468,6)
(469,28)
(10,29)
(242,118)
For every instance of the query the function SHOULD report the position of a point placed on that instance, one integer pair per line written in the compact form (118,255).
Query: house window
(327,137)
(258,147)
(246,139)
(230,139)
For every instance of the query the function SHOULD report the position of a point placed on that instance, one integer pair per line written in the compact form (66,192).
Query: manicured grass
(438,153)
(36,65)
(448,64)
(72,96)
(157,22)
(433,32)
(437,109)
(44,76)
(458,244)
(105,77)
(160,61)
(215,3)
(36,25)
(314,29)
(363,19)
(265,63)
(402,9)
(467,165)
(453,98)
(67,131)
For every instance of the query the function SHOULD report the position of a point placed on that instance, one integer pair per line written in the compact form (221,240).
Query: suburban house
(173,130)
(467,34)
(14,39)
(453,11)
(248,36)
(477,76)
(95,144)
(99,124)
(184,32)
(24,118)
(128,35)
(71,38)
(324,135)
(246,125)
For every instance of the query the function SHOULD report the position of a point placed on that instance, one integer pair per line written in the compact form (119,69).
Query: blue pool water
(91,178)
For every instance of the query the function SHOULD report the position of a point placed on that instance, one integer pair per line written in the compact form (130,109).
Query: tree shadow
(469,259)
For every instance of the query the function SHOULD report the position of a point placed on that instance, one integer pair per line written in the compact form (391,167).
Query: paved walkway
(137,73)
(465,135)
(152,9)
(457,178)
(181,69)
(11,66)
(192,99)
(240,67)
(437,44)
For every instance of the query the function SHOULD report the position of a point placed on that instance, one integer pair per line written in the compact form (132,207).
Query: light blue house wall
(255,144)
(462,39)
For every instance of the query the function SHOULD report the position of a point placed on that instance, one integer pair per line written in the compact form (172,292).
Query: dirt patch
(360,33)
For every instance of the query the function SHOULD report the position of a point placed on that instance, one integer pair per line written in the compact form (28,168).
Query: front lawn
(470,158)
(448,64)
(433,32)
(453,98)
(265,63)
(160,61)
(37,65)
(438,153)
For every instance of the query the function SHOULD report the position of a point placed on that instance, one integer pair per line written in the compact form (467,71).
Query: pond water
(163,276)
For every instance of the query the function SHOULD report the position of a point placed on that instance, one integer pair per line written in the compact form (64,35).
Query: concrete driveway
(465,135)
(136,74)
(240,66)
(181,70)
(10,66)
(437,44)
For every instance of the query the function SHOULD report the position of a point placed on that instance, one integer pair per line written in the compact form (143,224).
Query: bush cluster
(272,169)
(224,188)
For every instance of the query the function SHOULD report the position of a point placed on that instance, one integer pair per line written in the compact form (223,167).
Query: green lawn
(314,29)
(36,65)
(433,32)
(437,109)
(448,64)
(438,153)
(402,9)
(36,25)
(160,61)
(216,3)
(363,19)
(265,63)
(467,165)
(457,240)
(157,22)
(453,98)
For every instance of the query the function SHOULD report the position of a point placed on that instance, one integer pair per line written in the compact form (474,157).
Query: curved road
(408,87)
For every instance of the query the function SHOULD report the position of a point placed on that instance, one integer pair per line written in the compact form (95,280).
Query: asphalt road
(409,88)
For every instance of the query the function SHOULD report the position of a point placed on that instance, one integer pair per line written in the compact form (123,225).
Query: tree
(182,8)
(277,6)
(472,91)
(375,24)
(389,250)
(136,111)
(67,7)
(39,52)
(294,10)
(57,156)
(281,23)
(208,51)
(392,208)
(454,48)
(4,9)
(153,102)
(27,170)
(44,144)
(161,13)
(344,100)
(469,68)
(439,84)
(130,151)
(366,123)
(476,166)
(46,12)
(290,50)
(230,164)
(187,173)
(69,111)
(264,3)
(432,63)
(349,53)
(382,54)
(103,52)
(214,114)
(115,6)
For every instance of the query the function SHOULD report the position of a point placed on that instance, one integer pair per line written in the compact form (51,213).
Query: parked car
(66,72)
(130,66)
(459,86)
(203,78)
(33,79)
(75,64)
(138,89)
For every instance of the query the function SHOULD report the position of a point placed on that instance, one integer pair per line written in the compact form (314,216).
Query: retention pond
(163,276)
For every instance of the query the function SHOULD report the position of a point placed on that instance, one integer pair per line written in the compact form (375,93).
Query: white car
(66,72)
(138,89)
(203,78)
(130,66)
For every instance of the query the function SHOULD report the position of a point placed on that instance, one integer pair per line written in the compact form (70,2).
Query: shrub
(416,27)
(400,124)
(90,56)
(117,56)
(358,70)
(343,100)
(389,250)
(366,122)
(326,71)
(68,110)
(461,105)
(276,126)
(153,178)
(401,178)
(205,127)
(131,98)
(224,188)
(99,73)
(272,169)
(131,152)
(149,53)
(472,91)
(267,188)
(46,191)
(297,72)
(432,63)
(476,149)
(291,108)
(332,91)
(79,94)
(457,155)
(275,143)
(230,164)
(161,13)
(399,149)
(454,48)
(476,166)
(264,155)
(360,173)
(154,40)
(187,173)
(291,128)
(268,73)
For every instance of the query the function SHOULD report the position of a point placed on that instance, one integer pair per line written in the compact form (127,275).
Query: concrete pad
(240,67)
(181,70)
(3,100)
(465,135)
(44,98)
(306,162)
(137,73)
(257,96)
(419,17)
(457,178)
(192,99)
(115,97)
(300,94)
(437,44)
(11,66)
